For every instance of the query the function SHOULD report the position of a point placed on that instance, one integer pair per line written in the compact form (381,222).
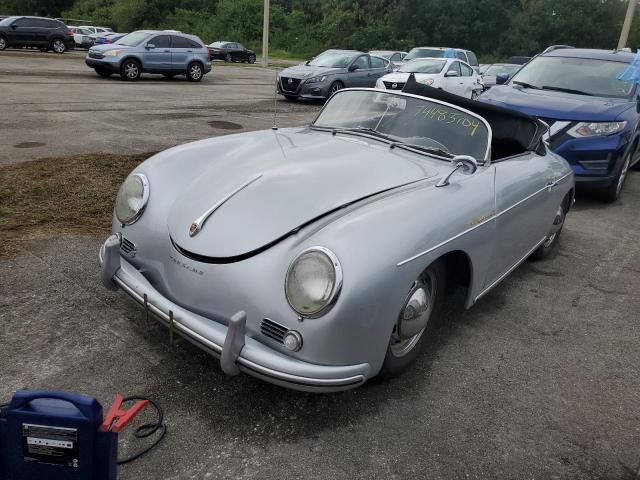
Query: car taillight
(108,40)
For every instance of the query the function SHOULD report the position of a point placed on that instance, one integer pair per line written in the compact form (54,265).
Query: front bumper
(228,342)
(112,64)
(316,90)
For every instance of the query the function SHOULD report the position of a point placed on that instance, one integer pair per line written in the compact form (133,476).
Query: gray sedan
(331,71)
(318,257)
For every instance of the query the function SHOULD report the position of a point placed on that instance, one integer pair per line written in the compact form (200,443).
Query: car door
(242,53)
(360,77)
(525,208)
(468,79)
(379,67)
(158,58)
(22,31)
(181,53)
(453,81)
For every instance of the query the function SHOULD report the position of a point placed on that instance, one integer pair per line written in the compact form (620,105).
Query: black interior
(513,132)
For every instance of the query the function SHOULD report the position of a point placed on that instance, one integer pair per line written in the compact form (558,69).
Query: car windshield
(442,129)
(495,70)
(586,76)
(425,53)
(333,59)
(7,21)
(133,39)
(423,66)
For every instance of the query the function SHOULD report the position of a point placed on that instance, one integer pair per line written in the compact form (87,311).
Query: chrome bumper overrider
(237,351)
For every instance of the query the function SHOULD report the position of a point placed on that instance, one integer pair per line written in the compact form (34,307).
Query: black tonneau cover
(513,132)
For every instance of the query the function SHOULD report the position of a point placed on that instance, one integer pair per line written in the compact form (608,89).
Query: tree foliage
(492,28)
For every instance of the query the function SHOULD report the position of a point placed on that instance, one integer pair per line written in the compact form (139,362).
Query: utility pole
(626,26)
(265,35)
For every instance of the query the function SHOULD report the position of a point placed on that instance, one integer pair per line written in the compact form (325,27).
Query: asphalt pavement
(539,380)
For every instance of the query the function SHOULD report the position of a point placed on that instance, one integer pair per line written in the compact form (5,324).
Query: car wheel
(551,240)
(130,70)
(252,59)
(195,72)
(415,320)
(103,73)
(227,57)
(3,43)
(335,86)
(58,46)
(612,192)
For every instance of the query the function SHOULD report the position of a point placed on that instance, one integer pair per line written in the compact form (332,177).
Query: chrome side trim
(455,237)
(511,269)
(198,223)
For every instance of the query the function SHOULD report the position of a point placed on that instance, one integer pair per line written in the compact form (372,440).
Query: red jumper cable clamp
(116,418)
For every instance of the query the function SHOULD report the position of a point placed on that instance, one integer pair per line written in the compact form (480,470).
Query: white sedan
(450,74)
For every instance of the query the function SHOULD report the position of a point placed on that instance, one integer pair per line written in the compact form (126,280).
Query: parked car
(151,51)
(443,52)
(483,68)
(449,74)
(82,37)
(43,33)
(331,71)
(94,29)
(394,56)
(231,52)
(593,115)
(341,285)
(507,70)
(109,38)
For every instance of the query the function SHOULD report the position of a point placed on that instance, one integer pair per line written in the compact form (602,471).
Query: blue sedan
(590,100)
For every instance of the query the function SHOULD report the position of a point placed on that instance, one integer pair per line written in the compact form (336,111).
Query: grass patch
(57,196)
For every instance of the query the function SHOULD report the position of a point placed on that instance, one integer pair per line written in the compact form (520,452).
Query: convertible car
(318,257)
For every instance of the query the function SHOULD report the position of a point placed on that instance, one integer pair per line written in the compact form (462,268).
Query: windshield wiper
(526,85)
(422,148)
(567,90)
(359,130)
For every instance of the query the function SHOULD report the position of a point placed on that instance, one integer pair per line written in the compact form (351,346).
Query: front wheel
(550,242)
(335,86)
(415,320)
(58,46)
(195,72)
(612,192)
(227,57)
(130,70)
(3,43)
(252,59)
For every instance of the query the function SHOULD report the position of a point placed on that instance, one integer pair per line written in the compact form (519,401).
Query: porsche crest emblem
(193,229)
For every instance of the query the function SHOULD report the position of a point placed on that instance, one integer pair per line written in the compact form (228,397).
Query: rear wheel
(612,192)
(415,320)
(195,72)
(130,70)
(103,73)
(58,46)
(3,42)
(227,57)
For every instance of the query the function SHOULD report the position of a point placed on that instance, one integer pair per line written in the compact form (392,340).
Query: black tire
(195,72)
(612,192)
(252,59)
(335,86)
(130,70)
(551,241)
(401,352)
(4,43)
(103,73)
(58,46)
(227,57)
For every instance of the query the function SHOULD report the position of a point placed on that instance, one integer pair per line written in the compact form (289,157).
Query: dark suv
(43,33)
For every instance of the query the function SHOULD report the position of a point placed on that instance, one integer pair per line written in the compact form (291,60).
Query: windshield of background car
(408,119)
(218,44)
(381,53)
(495,70)
(588,75)
(333,60)
(133,39)
(7,21)
(423,66)
(424,53)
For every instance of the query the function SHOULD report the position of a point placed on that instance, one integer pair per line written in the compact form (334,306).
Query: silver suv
(165,52)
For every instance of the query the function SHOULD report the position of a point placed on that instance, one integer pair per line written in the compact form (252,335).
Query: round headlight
(132,198)
(313,282)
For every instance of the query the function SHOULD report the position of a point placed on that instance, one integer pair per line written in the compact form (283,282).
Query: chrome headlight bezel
(336,288)
(590,129)
(143,203)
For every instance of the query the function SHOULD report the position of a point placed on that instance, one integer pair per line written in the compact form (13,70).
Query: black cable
(146,430)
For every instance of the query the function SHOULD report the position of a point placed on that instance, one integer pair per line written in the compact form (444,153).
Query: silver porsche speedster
(317,257)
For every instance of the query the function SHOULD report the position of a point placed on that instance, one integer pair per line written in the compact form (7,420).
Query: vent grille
(289,84)
(273,330)
(390,85)
(128,247)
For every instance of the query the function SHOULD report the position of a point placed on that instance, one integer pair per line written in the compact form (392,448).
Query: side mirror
(465,164)
(502,78)
(150,46)
(353,67)
(451,73)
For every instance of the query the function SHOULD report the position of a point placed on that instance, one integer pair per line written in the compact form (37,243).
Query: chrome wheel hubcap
(414,317)
(623,173)
(335,88)
(3,44)
(131,70)
(58,46)
(195,72)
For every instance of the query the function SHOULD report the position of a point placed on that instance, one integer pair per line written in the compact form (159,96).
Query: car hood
(261,187)
(556,105)
(105,47)
(307,71)
(403,77)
